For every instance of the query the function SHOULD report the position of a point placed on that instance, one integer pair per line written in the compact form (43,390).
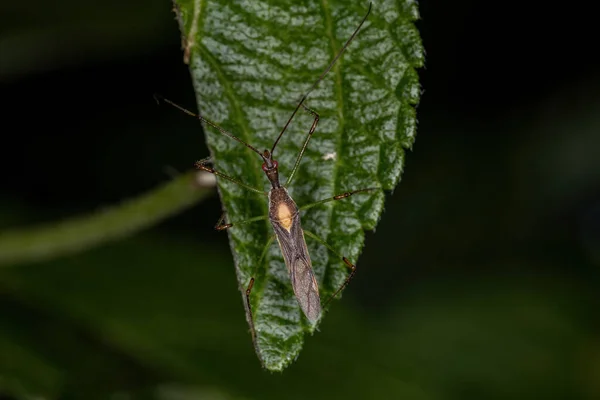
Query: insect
(283,212)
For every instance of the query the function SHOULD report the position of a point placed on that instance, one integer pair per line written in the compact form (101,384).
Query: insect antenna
(314,85)
(159,98)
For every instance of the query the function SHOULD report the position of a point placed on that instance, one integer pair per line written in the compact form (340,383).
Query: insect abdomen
(285,219)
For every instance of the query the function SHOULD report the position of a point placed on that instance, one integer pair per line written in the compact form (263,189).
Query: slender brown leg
(221,225)
(203,165)
(250,316)
(346,282)
(303,149)
(251,284)
(344,259)
(338,197)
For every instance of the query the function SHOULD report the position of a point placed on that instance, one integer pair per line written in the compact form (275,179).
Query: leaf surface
(250,63)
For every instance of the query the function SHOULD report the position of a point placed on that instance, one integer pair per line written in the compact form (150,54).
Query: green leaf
(250,64)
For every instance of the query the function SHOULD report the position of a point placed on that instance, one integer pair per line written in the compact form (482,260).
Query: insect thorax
(282,209)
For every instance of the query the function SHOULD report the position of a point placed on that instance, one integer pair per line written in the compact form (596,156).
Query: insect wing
(293,247)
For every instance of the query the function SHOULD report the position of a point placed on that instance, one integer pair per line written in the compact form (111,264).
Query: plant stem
(82,232)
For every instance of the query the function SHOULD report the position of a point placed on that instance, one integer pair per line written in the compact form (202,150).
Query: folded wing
(293,247)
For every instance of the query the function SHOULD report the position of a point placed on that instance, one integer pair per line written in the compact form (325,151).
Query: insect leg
(344,259)
(221,225)
(251,284)
(203,165)
(338,197)
(303,149)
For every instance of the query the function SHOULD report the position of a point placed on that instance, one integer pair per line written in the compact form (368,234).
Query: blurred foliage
(250,66)
(480,281)
(80,233)
(88,327)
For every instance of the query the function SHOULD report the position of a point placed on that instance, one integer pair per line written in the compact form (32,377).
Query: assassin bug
(283,211)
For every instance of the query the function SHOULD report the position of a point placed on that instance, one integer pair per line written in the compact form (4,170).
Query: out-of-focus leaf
(133,316)
(82,232)
(144,313)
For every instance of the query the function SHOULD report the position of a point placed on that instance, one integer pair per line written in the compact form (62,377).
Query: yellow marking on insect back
(284,216)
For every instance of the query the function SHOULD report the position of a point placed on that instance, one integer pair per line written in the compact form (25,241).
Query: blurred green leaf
(151,311)
(250,64)
(135,315)
(82,232)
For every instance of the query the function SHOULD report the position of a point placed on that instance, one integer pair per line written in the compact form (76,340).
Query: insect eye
(264,167)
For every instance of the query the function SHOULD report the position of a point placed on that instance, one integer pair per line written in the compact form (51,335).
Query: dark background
(480,282)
